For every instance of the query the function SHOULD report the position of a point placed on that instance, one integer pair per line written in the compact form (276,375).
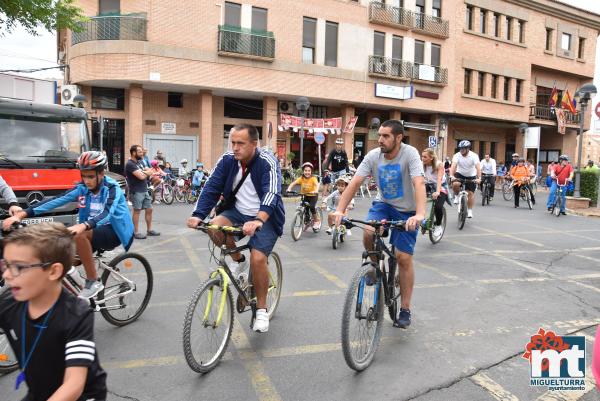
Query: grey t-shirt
(394,177)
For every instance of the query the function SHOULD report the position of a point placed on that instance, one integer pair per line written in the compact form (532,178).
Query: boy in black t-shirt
(50,331)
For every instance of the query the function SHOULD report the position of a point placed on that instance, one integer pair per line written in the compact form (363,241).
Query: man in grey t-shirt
(398,172)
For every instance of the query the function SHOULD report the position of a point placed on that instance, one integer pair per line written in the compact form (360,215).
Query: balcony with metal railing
(398,17)
(430,25)
(545,112)
(112,27)
(242,42)
(407,71)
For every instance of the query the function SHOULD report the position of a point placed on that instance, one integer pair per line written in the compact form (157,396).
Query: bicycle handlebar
(379,223)
(229,230)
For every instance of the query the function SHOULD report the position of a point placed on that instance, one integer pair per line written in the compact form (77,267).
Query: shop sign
(168,128)
(394,92)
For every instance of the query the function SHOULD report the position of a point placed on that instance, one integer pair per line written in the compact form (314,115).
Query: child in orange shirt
(520,173)
(309,188)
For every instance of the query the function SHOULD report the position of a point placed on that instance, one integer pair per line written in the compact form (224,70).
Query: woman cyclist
(309,188)
(436,184)
(520,173)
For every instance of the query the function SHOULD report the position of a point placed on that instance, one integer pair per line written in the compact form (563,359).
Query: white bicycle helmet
(464,144)
(339,141)
(183,161)
(308,164)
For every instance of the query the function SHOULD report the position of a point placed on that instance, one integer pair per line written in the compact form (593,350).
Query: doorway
(113,142)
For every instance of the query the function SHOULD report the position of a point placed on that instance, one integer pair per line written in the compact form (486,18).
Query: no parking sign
(320,138)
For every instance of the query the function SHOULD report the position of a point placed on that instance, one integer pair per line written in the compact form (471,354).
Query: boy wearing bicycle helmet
(51,331)
(332,202)
(309,188)
(105,221)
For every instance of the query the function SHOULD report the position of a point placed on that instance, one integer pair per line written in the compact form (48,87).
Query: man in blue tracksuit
(257,206)
(104,218)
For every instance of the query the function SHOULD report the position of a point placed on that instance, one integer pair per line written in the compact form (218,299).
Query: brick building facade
(176,75)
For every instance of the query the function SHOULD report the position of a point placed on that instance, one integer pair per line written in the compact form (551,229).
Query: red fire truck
(39,147)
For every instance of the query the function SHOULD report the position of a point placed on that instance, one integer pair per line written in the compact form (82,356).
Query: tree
(51,14)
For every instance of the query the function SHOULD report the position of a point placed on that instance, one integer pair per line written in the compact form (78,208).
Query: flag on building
(553,97)
(567,103)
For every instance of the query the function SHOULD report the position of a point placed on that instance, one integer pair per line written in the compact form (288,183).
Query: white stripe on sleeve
(80,356)
(81,342)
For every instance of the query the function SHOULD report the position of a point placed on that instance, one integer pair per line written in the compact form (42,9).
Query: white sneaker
(261,323)
(470,213)
(455,199)
(328,231)
(317,225)
(129,203)
(437,231)
(238,268)
(348,232)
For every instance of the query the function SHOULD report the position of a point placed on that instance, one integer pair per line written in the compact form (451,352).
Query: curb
(576,212)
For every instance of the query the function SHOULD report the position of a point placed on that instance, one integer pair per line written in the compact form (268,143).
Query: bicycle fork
(223,299)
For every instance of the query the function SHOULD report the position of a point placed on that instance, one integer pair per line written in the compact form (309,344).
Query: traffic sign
(319,138)
(432,141)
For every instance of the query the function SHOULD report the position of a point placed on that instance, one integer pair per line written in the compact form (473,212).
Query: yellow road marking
(193,257)
(163,304)
(316,267)
(171,271)
(254,367)
(589,287)
(316,293)
(495,390)
(155,245)
(301,350)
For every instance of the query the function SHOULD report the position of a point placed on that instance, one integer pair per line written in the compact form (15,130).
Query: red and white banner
(561,120)
(350,125)
(325,125)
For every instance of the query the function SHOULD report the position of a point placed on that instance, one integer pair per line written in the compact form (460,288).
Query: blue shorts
(104,237)
(404,241)
(262,240)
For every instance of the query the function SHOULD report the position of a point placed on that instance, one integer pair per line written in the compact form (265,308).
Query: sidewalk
(590,212)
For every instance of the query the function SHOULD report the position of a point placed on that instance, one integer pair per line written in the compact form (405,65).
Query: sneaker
(237,268)
(152,233)
(437,231)
(156,202)
(261,323)
(139,236)
(317,225)
(455,200)
(92,287)
(129,203)
(348,232)
(328,231)
(470,213)
(549,209)
(563,213)
(403,319)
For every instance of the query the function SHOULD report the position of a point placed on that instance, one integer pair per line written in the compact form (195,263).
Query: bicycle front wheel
(362,318)
(179,194)
(127,290)
(297,226)
(208,325)
(557,205)
(462,212)
(334,237)
(167,194)
(507,191)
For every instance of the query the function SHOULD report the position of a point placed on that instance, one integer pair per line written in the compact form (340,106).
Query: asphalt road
(480,295)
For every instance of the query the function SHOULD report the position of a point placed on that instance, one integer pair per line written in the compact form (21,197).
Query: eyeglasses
(16,268)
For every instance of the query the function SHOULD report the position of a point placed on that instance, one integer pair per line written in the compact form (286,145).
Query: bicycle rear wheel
(275,282)
(362,318)
(298,225)
(437,238)
(205,333)
(557,205)
(334,237)
(167,194)
(123,302)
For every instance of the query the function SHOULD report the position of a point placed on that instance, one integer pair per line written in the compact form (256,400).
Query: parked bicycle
(163,192)
(208,322)
(303,219)
(462,201)
(369,291)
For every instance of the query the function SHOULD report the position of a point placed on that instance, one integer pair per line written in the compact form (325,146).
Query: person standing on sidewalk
(137,180)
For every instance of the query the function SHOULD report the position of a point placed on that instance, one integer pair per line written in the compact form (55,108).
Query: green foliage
(51,14)
(589,185)
(290,156)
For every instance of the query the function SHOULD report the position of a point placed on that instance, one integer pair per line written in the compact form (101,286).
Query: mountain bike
(428,225)
(486,189)
(371,288)
(463,198)
(208,322)
(558,200)
(128,283)
(303,219)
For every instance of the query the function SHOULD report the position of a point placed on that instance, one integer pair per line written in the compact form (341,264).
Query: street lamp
(584,94)
(302,104)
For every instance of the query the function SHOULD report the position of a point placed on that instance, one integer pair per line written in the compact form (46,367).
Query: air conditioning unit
(379,67)
(286,107)
(67,93)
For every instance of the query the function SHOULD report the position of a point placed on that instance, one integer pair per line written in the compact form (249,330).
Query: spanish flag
(553,97)
(567,103)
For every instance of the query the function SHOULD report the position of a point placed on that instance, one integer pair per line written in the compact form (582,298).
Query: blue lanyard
(25,359)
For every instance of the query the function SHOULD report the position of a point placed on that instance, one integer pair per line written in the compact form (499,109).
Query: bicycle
(216,318)
(428,225)
(507,189)
(303,218)
(462,201)
(525,193)
(117,302)
(558,200)
(486,190)
(363,305)
(164,192)
(181,189)
(8,359)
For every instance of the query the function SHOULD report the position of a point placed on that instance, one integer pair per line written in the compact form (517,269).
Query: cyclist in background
(561,175)
(488,171)
(183,171)
(199,176)
(309,188)
(521,174)
(105,221)
(331,202)
(465,166)
(436,184)
(337,160)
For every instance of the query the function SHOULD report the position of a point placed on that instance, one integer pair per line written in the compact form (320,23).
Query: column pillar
(206,143)
(520,143)
(270,115)
(347,114)
(135,102)
(395,115)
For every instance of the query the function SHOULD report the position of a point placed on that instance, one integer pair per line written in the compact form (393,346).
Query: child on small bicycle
(52,331)
(521,174)
(309,189)
(156,178)
(332,201)
(198,177)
